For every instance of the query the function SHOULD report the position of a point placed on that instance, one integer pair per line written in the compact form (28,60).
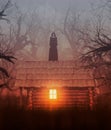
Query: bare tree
(97,54)
(2,12)
(28,31)
(38,31)
(34,32)
(71,26)
(6,57)
(5,52)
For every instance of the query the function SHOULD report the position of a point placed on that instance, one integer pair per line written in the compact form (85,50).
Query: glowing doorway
(53,94)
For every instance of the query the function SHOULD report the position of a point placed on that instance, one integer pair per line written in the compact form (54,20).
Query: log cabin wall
(68,98)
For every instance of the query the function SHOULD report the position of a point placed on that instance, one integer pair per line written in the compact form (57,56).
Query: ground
(16,119)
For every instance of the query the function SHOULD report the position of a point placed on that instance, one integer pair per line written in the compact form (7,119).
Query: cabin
(54,84)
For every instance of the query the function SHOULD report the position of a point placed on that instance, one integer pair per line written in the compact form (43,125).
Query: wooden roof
(48,74)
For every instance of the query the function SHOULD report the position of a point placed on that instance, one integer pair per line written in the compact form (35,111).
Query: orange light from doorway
(52,94)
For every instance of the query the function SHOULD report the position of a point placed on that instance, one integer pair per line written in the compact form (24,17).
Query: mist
(49,16)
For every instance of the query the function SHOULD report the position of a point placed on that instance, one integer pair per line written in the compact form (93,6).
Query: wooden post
(29,99)
(91,102)
(21,97)
(33,99)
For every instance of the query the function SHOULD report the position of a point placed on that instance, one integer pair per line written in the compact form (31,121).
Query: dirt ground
(16,119)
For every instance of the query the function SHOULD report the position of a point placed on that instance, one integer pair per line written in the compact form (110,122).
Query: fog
(51,14)
(57,4)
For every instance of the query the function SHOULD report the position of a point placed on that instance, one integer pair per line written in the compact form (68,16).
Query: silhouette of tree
(2,12)
(5,55)
(71,26)
(5,51)
(97,49)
